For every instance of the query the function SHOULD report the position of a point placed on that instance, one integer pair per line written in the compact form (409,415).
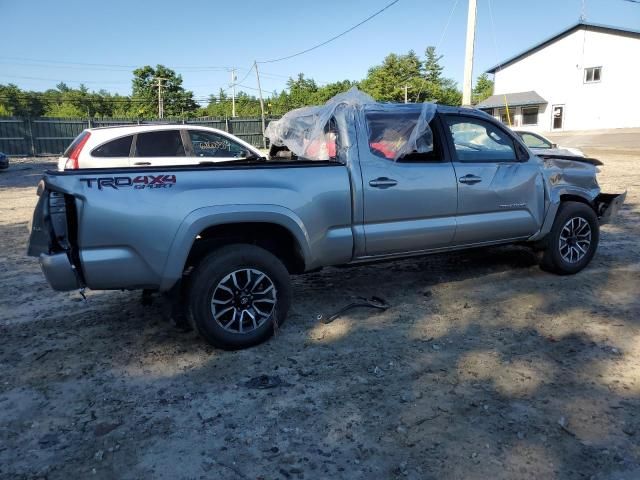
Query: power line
(245,77)
(441,39)
(334,37)
(63,81)
(112,65)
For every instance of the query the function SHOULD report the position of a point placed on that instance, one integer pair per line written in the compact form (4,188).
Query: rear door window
(162,143)
(389,131)
(211,144)
(120,147)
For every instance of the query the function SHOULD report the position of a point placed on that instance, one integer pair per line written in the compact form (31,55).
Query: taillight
(72,161)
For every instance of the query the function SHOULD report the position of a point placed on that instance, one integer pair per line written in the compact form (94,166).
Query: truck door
(500,190)
(409,203)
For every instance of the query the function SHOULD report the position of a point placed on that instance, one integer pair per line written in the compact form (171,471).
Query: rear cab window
(160,143)
(390,130)
(120,147)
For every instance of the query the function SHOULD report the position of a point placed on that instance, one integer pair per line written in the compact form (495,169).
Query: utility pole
(264,140)
(233,92)
(406,98)
(583,12)
(160,99)
(468,54)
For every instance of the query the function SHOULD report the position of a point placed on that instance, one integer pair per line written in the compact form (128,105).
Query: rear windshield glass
(75,142)
(165,143)
(119,147)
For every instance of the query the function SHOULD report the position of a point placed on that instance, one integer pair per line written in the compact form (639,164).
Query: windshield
(533,140)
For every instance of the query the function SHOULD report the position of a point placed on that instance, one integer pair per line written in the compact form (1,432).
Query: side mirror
(554,145)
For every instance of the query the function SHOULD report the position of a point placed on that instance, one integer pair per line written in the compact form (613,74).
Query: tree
(483,89)
(386,82)
(433,69)
(20,103)
(177,101)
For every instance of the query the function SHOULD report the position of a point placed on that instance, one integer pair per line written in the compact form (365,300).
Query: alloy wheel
(243,300)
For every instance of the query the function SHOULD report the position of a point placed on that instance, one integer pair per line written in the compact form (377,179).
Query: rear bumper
(59,272)
(608,204)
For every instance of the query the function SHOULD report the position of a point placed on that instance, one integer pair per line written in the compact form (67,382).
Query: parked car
(541,145)
(152,145)
(222,239)
(4,161)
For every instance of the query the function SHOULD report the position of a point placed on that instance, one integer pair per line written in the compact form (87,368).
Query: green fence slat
(50,136)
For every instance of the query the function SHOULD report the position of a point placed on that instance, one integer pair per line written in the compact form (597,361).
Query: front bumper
(59,271)
(608,204)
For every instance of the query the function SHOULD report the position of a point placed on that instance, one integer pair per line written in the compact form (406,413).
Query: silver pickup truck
(225,237)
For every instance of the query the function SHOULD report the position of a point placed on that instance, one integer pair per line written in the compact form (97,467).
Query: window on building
(529,115)
(508,119)
(592,74)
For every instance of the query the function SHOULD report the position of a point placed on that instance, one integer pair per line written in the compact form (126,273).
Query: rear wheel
(573,239)
(238,294)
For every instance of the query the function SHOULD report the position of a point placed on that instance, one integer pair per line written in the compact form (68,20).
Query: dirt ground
(484,367)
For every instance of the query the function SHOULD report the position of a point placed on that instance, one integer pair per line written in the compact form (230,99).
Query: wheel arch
(274,228)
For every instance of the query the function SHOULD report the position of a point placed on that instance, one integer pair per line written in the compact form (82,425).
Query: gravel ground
(485,367)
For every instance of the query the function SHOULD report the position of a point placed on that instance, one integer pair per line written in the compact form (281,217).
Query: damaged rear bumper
(59,272)
(608,204)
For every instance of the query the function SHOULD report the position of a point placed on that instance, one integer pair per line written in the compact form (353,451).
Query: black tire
(214,273)
(552,258)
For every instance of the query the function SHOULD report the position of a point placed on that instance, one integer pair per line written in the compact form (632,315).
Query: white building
(585,77)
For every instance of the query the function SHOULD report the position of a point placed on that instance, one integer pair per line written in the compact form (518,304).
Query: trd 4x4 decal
(139,182)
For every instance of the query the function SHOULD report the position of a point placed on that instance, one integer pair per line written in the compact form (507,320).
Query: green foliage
(483,89)
(385,82)
(424,80)
(432,68)
(177,101)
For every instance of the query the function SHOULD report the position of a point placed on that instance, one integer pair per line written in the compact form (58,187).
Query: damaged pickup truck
(348,182)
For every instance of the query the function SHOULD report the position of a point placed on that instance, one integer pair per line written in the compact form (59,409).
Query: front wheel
(573,239)
(238,294)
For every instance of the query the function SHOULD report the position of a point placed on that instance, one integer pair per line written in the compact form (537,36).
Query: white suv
(153,145)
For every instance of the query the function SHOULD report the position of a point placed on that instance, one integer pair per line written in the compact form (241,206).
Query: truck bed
(134,227)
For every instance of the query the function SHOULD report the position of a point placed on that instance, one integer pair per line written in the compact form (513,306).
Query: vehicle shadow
(483,367)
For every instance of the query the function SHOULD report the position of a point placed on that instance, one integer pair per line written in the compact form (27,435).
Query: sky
(46,42)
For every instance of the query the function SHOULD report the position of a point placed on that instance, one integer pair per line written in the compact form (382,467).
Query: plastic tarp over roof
(307,133)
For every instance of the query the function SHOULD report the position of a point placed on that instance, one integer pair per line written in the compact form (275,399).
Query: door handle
(383,182)
(142,163)
(469,179)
